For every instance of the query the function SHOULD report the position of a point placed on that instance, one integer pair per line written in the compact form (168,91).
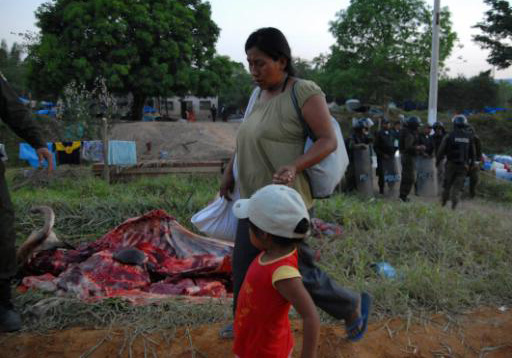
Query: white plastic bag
(217,219)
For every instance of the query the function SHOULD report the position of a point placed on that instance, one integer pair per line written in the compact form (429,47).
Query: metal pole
(434,65)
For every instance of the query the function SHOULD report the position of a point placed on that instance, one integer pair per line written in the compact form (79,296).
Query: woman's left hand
(285,175)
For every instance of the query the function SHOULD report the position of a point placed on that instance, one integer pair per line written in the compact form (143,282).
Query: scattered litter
(503,309)
(321,228)
(384,269)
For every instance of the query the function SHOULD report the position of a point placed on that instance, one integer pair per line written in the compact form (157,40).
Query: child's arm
(294,291)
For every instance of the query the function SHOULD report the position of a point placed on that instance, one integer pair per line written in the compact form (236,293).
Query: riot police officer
(384,146)
(17,117)
(409,149)
(458,148)
(474,170)
(359,139)
(439,134)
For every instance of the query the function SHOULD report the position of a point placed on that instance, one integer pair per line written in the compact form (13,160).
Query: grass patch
(446,260)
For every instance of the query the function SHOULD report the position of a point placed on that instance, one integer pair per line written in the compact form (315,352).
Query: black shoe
(381,191)
(10,320)
(405,199)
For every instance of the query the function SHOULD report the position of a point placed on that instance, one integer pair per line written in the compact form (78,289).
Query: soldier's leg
(7,235)
(474,179)
(459,176)
(380,175)
(9,319)
(449,176)
(408,174)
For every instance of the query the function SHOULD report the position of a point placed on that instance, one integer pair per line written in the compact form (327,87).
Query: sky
(304,22)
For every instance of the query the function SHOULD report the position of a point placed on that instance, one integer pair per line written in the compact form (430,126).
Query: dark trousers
(474,179)
(408,175)
(335,300)
(380,173)
(7,234)
(455,175)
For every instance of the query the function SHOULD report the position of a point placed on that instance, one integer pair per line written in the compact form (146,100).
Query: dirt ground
(484,333)
(180,141)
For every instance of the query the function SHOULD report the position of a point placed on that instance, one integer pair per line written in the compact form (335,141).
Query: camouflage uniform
(474,170)
(458,147)
(408,142)
(17,117)
(384,148)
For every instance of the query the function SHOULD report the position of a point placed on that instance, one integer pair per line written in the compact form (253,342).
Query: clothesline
(75,152)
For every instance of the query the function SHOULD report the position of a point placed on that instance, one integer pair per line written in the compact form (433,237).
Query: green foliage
(495,189)
(495,131)
(446,260)
(12,66)
(383,50)
(148,48)
(504,94)
(236,87)
(497,33)
(475,93)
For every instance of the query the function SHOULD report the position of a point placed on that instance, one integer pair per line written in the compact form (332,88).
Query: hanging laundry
(68,152)
(29,154)
(122,152)
(92,150)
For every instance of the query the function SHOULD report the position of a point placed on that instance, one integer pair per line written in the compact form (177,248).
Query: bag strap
(307,131)
(254,97)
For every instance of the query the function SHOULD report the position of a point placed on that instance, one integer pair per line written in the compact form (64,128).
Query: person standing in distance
(409,149)
(17,117)
(458,148)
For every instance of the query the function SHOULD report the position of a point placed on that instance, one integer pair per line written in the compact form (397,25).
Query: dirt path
(179,141)
(483,333)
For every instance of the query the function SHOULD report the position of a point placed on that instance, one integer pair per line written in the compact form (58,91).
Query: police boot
(9,320)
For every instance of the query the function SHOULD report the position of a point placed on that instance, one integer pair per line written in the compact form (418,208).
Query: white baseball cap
(276,209)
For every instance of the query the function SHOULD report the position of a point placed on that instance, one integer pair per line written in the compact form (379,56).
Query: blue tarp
(149,109)
(493,110)
(29,154)
(47,112)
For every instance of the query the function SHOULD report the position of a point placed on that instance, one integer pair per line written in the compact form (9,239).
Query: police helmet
(413,122)
(438,125)
(460,120)
(362,123)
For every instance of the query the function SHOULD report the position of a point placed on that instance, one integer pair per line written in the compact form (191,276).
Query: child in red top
(278,221)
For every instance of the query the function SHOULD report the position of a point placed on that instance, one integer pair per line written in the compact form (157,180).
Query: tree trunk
(138,106)
(106,168)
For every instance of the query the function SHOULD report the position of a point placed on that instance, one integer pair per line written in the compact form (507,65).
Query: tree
(475,93)
(236,88)
(12,65)
(383,49)
(497,29)
(146,48)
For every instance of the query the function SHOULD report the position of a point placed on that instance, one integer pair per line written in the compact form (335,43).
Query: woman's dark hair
(272,42)
(301,228)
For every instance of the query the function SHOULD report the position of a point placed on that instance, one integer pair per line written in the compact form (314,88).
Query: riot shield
(391,171)
(426,176)
(363,171)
